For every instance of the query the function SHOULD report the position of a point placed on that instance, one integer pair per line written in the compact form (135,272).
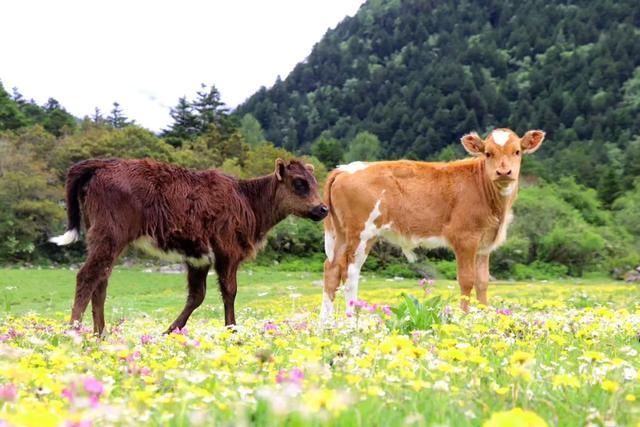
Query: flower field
(543,354)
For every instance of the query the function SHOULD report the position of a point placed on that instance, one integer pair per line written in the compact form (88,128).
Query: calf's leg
(335,271)
(482,279)
(103,252)
(227,269)
(466,262)
(97,307)
(360,251)
(197,288)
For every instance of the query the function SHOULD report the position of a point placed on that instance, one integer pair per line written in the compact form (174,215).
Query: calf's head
(297,191)
(502,152)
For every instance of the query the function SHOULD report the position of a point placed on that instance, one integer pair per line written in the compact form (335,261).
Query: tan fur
(467,203)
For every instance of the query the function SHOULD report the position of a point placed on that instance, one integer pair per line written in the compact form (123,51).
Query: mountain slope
(419,74)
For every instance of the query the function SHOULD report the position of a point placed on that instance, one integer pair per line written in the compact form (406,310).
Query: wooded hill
(419,74)
(399,79)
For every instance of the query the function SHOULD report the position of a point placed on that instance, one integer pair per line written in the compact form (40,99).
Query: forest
(400,79)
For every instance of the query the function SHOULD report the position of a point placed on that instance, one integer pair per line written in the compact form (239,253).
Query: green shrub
(539,270)
(446,269)
(412,315)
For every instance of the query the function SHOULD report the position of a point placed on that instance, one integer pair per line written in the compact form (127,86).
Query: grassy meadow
(561,353)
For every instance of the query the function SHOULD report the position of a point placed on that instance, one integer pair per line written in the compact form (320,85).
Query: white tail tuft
(68,237)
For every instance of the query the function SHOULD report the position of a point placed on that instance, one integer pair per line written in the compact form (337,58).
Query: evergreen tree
(365,146)
(328,150)
(251,130)
(117,118)
(185,124)
(209,109)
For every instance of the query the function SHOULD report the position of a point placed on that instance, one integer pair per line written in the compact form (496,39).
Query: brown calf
(207,217)
(465,205)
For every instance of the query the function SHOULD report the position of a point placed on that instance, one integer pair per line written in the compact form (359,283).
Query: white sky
(146,54)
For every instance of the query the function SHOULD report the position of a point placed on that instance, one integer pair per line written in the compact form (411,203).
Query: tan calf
(465,205)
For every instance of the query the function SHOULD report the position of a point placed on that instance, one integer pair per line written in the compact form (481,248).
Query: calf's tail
(330,221)
(78,175)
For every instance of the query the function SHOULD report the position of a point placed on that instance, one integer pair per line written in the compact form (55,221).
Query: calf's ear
(280,169)
(310,167)
(473,144)
(531,141)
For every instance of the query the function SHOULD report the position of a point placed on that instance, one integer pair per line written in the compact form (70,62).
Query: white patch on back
(67,238)
(500,137)
(353,167)
(369,231)
(408,244)
(329,244)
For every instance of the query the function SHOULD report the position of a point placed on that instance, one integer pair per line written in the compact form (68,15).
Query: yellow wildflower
(565,380)
(516,417)
(610,386)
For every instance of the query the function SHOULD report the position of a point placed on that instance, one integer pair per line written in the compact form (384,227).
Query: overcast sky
(146,54)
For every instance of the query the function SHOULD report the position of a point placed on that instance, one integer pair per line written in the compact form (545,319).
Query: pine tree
(185,124)
(209,108)
(117,119)
(97,117)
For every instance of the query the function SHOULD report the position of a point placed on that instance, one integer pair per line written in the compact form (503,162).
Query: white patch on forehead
(500,137)
(353,167)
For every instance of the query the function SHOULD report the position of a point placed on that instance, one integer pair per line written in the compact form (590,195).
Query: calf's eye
(518,153)
(300,186)
(487,154)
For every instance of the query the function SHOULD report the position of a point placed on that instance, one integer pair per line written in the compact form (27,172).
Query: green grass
(133,292)
(460,373)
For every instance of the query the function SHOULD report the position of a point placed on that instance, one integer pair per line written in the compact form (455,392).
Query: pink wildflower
(146,339)
(281,376)
(69,393)
(270,327)
(184,331)
(294,376)
(8,392)
(93,386)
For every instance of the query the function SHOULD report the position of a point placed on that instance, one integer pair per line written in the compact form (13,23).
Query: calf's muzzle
(318,212)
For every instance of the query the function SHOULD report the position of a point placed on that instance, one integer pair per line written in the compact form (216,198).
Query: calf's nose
(503,173)
(319,212)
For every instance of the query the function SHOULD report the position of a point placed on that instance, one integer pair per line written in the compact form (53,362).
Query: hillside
(419,74)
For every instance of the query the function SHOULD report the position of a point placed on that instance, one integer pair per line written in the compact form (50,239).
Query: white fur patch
(67,238)
(353,167)
(500,137)
(408,244)
(147,245)
(507,191)
(369,231)
(501,235)
(326,313)
(329,244)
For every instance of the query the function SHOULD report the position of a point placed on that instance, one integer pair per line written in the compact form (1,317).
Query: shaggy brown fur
(207,216)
